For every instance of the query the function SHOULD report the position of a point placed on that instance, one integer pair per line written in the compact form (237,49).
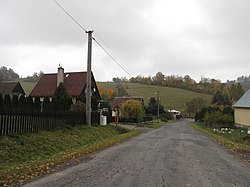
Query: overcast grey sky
(209,38)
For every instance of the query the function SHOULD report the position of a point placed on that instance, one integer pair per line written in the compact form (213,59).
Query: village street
(173,155)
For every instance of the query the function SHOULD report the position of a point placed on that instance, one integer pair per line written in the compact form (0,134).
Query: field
(27,86)
(170,98)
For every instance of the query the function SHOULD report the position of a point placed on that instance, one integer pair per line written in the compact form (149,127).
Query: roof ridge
(65,73)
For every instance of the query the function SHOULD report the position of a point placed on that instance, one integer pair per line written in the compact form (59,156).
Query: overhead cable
(111,57)
(93,38)
(69,15)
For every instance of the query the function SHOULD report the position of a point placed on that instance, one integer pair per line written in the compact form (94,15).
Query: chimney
(60,75)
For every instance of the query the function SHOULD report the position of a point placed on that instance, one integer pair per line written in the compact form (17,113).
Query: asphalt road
(174,155)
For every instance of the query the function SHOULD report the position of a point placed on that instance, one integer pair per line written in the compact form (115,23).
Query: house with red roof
(74,82)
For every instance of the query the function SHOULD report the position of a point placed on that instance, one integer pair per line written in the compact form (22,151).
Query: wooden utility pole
(88,84)
(158,105)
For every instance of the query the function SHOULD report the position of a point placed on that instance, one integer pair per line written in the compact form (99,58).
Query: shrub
(78,107)
(165,116)
(132,109)
(217,120)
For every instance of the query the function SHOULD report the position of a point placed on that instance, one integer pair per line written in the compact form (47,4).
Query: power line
(93,38)
(108,48)
(111,57)
(69,15)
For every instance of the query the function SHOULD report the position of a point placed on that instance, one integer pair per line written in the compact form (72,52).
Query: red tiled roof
(74,83)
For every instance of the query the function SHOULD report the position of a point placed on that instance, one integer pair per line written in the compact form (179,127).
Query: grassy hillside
(27,86)
(171,98)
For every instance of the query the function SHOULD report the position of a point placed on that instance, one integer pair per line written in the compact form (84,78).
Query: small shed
(242,111)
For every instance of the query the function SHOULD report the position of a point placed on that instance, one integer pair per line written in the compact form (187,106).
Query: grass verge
(231,141)
(28,156)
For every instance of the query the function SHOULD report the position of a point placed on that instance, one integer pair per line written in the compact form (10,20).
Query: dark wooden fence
(18,121)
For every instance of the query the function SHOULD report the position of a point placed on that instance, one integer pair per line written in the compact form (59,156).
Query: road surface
(173,155)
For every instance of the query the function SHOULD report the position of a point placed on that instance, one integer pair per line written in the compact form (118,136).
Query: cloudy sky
(209,38)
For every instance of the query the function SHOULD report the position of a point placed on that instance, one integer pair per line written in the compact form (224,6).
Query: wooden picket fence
(18,121)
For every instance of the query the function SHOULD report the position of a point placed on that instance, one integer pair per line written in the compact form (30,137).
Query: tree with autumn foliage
(106,94)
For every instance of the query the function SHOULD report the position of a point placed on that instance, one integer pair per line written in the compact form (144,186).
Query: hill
(27,86)
(170,98)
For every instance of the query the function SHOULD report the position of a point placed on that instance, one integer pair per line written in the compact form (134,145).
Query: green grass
(28,86)
(231,140)
(28,156)
(171,98)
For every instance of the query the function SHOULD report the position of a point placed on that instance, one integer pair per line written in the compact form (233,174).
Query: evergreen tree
(29,103)
(22,101)
(54,103)
(15,101)
(61,98)
(37,104)
(46,104)
(7,101)
(1,101)
(221,99)
(62,104)
(152,107)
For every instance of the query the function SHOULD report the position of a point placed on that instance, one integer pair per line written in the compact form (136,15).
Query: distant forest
(205,85)
(8,74)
